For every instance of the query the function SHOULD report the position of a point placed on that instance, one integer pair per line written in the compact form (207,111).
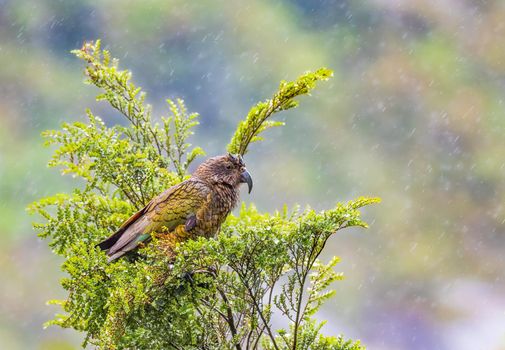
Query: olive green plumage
(195,207)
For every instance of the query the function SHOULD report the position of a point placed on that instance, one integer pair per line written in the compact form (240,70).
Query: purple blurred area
(414,114)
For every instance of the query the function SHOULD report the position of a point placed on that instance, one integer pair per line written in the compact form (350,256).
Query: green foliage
(256,121)
(218,293)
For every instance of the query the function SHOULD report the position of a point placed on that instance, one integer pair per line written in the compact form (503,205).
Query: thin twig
(229,317)
(258,309)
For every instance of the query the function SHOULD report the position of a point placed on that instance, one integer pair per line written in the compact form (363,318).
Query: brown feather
(109,242)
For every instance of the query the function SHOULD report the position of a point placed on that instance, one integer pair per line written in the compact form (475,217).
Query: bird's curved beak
(246,178)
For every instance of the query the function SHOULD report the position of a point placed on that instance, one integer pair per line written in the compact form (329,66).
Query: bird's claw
(188,276)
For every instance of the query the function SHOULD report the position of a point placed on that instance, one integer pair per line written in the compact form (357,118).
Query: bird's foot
(188,276)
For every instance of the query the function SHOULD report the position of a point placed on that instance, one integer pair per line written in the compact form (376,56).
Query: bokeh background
(414,114)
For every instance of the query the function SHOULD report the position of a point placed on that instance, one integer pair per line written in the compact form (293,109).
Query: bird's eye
(229,166)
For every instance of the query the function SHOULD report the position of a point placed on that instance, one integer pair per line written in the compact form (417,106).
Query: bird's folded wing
(169,209)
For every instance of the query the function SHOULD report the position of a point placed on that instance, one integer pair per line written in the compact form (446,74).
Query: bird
(195,207)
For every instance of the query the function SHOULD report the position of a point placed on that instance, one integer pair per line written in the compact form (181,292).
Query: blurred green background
(414,114)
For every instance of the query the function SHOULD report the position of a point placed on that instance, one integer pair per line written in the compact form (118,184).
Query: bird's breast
(220,203)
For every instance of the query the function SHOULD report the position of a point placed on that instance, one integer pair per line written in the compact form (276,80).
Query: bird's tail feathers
(109,242)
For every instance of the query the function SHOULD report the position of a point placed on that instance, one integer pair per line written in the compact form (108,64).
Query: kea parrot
(195,207)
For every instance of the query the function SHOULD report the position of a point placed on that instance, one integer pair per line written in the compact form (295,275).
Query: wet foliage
(258,284)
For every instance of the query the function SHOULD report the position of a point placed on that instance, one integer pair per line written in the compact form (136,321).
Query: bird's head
(228,170)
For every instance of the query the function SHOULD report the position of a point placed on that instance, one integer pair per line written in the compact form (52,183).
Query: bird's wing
(109,242)
(171,208)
